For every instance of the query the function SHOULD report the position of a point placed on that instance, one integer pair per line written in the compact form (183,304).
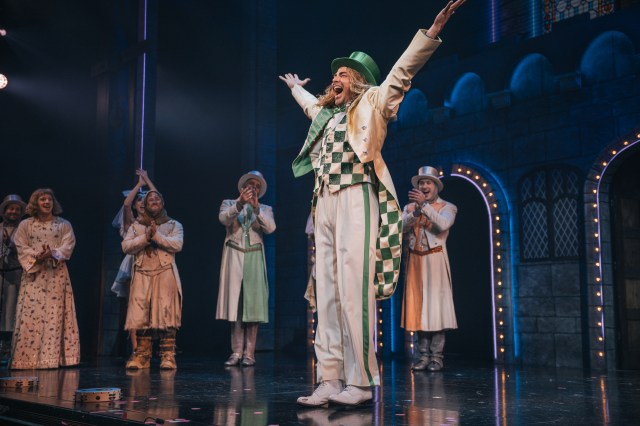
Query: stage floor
(203,392)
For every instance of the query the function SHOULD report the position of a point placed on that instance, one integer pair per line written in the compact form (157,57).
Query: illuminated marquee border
(599,256)
(504,341)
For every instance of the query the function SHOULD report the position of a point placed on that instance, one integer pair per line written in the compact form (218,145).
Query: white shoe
(322,393)
(352,396)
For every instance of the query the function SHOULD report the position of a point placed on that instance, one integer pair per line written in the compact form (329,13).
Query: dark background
(50,128)
(48,117)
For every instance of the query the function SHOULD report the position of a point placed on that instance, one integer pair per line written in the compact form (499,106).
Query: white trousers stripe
(344,341)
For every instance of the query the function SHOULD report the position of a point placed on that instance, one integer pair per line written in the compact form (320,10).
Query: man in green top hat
(358,221)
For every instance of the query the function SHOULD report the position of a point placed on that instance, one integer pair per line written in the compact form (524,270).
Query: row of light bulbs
(496,235)
(602,165)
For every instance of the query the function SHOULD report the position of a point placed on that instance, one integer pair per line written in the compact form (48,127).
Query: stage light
(3,32)
(3,81)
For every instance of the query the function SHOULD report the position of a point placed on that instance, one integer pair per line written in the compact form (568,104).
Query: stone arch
(532,77)
(468,94)
(609,56)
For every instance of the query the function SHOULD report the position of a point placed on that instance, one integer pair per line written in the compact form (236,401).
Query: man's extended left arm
(398,82)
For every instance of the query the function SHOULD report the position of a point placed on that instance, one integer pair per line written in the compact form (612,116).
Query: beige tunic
(428,297)
(46,332)
(155,297)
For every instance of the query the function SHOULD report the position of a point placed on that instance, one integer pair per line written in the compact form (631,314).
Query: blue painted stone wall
(510,108)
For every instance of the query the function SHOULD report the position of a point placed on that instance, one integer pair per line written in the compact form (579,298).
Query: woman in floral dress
(46,331)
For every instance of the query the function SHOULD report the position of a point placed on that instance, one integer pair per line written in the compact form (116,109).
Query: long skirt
(46,333)
(243,275)
(428,299)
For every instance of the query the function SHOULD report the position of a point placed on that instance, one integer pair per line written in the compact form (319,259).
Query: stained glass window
(549,200)
(558,10)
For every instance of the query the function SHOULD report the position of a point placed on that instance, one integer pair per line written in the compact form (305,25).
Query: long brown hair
(358,85)
(32,208)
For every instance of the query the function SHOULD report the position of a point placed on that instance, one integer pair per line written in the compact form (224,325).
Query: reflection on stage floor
(203,392)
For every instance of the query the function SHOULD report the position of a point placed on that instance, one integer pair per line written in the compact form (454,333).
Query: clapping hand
(142,173)
(254,199)
(151,230)
(45,254)
(417,196)
(246,194)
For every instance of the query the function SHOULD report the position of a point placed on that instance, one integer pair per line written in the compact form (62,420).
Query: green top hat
(360,62)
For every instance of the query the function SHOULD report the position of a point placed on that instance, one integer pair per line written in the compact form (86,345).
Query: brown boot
(250,335)
(168,353)
(141,357)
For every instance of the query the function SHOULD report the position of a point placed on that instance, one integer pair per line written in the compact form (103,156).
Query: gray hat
(254,174)
(12,199)
(427,172)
